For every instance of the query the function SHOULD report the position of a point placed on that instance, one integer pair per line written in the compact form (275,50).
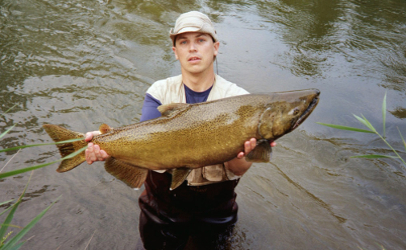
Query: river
(81,63)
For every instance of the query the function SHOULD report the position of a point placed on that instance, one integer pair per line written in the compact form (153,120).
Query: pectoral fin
(131,175)
(261,153)
(179,175)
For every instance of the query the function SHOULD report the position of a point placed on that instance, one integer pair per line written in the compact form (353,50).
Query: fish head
(286,111)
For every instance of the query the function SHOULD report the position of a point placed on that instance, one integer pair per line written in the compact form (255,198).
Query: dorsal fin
(173,108)
(104,128)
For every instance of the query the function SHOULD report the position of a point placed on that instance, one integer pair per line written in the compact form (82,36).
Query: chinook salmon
(189,136)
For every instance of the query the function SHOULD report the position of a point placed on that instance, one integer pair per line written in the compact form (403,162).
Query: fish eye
(294,111)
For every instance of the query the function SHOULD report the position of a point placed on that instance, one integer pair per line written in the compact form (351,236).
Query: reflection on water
(84,63)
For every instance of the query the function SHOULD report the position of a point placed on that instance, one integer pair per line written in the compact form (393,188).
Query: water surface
(83,63)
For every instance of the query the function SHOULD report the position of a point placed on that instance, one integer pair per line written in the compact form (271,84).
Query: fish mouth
(307,112)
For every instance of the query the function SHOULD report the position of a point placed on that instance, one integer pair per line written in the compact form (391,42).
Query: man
(204,207)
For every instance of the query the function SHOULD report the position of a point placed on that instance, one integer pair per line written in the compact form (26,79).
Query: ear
(216,48)
(176,54)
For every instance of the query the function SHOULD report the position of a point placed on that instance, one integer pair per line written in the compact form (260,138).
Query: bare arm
(239,165)
(93,152)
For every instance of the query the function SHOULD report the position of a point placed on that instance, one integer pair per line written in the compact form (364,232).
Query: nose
(192,47)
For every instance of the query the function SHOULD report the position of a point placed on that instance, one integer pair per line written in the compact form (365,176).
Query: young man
(204,207)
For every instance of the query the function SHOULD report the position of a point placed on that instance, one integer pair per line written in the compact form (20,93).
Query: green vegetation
(371,129)
(8,240)
(23,170)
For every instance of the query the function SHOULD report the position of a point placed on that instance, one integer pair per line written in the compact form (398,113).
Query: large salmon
(189,136)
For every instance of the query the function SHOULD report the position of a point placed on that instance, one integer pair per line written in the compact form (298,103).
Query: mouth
(194,59)
(307,112)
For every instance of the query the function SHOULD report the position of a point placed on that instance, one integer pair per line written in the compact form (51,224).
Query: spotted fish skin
(189,136)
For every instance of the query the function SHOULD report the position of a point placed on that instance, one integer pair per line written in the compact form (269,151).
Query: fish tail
(58,134)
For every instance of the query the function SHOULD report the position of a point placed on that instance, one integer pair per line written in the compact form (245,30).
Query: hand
(93,152)
(239,165)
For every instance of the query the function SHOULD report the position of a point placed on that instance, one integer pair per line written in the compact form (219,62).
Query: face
(195,52)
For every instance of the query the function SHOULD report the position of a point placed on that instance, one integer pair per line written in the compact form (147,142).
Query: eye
(294,111)
(182,42)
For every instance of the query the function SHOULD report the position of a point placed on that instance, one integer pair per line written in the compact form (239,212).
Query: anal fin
(179,175)
(131,175)
(261,153)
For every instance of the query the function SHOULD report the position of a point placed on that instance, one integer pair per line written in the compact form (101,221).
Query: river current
(81,63)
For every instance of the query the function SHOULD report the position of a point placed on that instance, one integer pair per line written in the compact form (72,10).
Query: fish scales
(202,128)
(189,136)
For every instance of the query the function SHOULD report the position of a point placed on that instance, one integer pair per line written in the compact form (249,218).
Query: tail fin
(58,134)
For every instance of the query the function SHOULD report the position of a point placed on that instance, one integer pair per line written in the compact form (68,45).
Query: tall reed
(9,240)
(371,129)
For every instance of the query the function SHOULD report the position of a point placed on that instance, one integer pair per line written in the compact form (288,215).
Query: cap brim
(184,30)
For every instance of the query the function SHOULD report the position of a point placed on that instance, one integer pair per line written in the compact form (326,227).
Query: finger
(240,155)
(97,153)
(88,136)
(96,133)
(93,157)
(103,154)
(89,152)
(253,142)
(87,156)
(247,147)
(101,157)
(96,150)
(90,147)
(250,145)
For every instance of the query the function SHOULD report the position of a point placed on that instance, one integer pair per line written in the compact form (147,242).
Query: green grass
(13,243)
(10,240)
(23,170)
(371,129)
